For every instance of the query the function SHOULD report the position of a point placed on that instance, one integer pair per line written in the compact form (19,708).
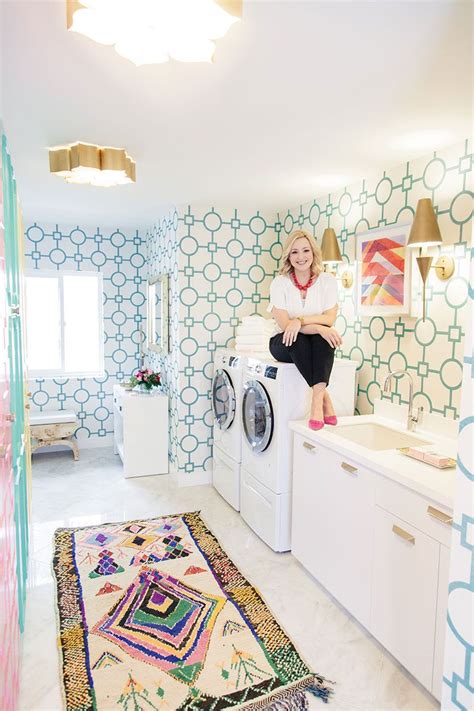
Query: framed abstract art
(383,271)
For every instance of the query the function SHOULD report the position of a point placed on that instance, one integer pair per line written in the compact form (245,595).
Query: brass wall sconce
(331,254)
(425,233)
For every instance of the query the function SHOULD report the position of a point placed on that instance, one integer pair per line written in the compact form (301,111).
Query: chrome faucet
(413,419)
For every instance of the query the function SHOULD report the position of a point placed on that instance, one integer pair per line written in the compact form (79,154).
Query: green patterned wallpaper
(223,261)
(431,351)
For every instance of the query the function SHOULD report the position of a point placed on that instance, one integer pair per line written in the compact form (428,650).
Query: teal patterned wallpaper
(119,256)
(458,676)
(225,262)
(226,258)
(431,351)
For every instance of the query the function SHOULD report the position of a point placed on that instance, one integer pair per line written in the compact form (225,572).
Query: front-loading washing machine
(226,395)
(274,394)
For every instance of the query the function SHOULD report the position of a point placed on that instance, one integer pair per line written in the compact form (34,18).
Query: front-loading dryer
(226,396)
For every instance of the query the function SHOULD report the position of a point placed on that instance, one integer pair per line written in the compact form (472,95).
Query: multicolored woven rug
(154,615)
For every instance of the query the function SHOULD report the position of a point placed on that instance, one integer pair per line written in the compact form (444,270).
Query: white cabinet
(381,549)
(441,620)
(405,586)
(332,534)
(141,432)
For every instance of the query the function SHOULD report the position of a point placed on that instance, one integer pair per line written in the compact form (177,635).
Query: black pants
(312,355)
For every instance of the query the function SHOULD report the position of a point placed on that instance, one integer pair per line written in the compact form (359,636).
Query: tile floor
(91,491)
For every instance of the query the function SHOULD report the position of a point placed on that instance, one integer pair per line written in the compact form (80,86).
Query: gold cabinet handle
(28,394)
(10,417)
(27,406)
(403,534)
(440,515)
(349,468)
(309,446)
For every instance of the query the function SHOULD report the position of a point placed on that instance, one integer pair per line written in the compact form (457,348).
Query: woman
(303,302)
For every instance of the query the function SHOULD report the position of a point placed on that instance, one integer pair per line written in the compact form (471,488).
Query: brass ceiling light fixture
(425,233)
(331,254)
(151,32)
(88,164)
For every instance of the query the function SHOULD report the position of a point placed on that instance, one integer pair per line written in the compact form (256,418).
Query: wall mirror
(158,314)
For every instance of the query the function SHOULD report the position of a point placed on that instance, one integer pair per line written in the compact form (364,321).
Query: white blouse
(321,296)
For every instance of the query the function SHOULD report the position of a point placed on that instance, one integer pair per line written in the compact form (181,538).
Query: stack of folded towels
(253,334)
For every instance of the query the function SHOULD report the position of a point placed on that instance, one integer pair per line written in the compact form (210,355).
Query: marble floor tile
(93,491)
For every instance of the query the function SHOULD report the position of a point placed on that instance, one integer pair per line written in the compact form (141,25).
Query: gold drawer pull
(440,515)
(309,446)
(403,534)
(349,468)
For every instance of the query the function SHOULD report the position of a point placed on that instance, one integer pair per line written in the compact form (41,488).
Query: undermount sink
(375,436)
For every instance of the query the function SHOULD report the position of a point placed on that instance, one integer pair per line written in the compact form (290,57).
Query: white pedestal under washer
(274,394)
(226,396)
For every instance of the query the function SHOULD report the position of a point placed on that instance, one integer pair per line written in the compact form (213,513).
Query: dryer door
(223,399)
(257,416)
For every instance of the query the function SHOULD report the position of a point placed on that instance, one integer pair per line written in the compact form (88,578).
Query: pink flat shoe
(315,424)
(330,420)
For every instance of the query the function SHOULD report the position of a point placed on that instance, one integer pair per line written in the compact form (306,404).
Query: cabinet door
(405,584)
(441,621)
(313,502)
(353,511)
(333,510)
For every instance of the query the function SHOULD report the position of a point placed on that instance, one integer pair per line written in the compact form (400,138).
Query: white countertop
(436,484)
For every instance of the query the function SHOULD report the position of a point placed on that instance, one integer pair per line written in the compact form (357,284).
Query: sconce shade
(425,230)
(330,247)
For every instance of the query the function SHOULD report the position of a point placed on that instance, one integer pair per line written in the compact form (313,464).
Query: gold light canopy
(88,164)
(151,32)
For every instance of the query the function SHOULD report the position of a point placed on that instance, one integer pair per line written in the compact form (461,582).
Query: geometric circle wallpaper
(121,260)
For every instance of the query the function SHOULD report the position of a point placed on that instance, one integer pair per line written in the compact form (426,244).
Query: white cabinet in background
(332,534)
(380,548)
(141,432)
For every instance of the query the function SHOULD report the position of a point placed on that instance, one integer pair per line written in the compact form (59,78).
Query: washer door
(223,399)
(257,416)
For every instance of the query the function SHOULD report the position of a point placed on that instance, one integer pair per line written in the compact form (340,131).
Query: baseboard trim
(198,478)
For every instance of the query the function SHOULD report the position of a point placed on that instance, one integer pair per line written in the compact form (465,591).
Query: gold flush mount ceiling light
(153,31)
(87,164)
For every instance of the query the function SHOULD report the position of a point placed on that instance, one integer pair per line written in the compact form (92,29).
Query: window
(64,324)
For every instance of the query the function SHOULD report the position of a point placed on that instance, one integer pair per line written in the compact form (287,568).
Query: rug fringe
(295,697)
(296,701)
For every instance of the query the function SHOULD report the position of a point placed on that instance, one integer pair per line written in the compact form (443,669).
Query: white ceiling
(298,90)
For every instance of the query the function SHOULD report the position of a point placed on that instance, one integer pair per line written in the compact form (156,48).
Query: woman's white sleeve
(277,296)
(331,293)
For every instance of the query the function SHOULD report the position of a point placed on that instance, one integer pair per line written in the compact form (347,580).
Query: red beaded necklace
(302,287)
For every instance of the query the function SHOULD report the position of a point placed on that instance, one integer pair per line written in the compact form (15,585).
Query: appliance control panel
(271,372)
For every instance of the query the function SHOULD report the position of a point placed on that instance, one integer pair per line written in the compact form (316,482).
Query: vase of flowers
(145,380)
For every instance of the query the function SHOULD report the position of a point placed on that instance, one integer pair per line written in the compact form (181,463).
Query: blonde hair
(317,263)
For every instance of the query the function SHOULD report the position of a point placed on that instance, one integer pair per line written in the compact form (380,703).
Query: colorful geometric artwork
(183,630)
(384,271)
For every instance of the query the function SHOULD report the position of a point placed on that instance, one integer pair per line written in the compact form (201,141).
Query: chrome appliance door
(257,416)
(223,399)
